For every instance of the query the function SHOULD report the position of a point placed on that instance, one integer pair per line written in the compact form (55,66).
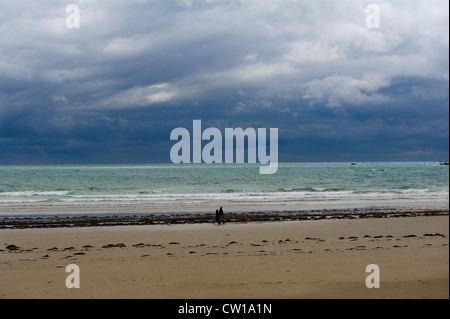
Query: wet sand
(317,258)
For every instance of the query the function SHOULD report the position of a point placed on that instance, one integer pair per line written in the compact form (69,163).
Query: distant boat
(353,164)
(444,163)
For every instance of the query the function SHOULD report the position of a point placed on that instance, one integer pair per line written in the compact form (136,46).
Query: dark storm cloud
(113,89)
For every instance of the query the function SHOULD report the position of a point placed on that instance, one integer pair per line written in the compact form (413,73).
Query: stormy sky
(112,90)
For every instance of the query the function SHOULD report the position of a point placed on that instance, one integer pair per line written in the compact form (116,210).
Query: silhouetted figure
(221,219)
(217,217)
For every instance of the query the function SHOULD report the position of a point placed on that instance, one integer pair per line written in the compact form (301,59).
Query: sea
(89,189)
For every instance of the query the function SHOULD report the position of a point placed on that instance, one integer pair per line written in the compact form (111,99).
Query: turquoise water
(175,184)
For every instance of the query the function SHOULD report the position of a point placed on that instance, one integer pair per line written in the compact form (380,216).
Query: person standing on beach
(217,217)
(221,216)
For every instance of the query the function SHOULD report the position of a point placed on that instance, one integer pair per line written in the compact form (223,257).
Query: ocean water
(183,185)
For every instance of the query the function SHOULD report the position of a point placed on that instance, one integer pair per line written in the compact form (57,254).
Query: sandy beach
(324,258)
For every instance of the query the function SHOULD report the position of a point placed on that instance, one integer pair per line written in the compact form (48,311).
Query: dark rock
(114,245)
(432,235)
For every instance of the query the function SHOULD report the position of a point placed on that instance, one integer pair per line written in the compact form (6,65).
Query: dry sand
(301,259)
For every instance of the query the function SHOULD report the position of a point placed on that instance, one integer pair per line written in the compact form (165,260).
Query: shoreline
(83,220)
